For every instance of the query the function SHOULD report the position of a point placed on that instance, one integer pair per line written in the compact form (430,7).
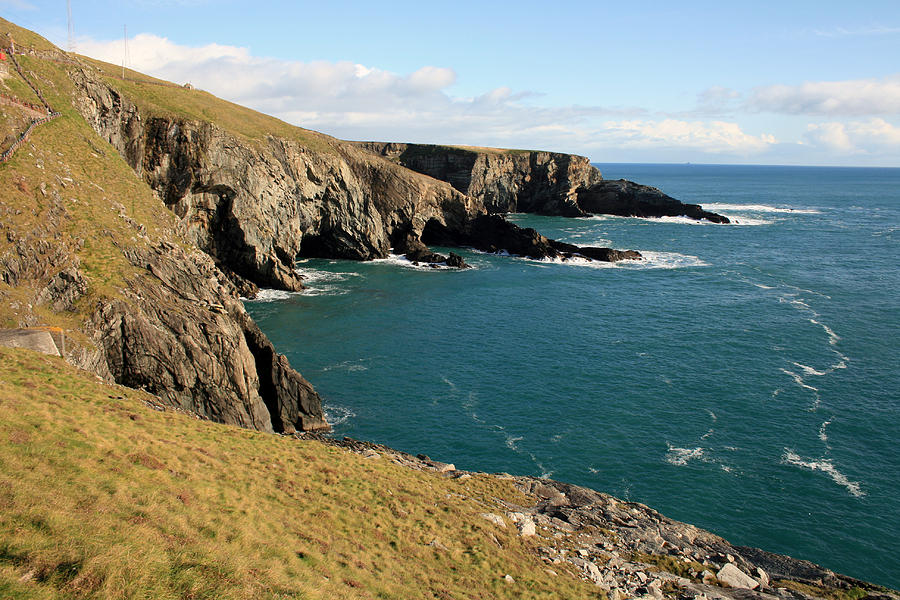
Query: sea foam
(824,465)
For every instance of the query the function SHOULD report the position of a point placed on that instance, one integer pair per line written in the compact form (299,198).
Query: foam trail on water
(824,465)
(759,208)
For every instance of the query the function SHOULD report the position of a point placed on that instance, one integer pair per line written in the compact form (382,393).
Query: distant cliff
(547,183)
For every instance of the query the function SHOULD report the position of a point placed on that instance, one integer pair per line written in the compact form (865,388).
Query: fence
(51,114)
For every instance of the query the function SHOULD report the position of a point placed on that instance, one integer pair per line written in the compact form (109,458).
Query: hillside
(107,494)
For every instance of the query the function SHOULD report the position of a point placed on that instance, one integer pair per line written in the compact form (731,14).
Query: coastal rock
(736,578)
(494,518)
(183,335)
(629,199)
(545,183)
(503,180)
(493,233)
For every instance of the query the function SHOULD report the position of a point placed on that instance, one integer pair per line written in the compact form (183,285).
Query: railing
(51,114)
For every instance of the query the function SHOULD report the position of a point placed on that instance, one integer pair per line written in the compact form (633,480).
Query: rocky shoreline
(629,550)
(545,183)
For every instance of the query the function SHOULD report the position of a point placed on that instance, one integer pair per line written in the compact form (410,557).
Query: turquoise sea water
(745,378)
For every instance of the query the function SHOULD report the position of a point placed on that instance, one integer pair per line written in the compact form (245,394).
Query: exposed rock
(493,233)
(64,290)
(731,575)
(183,335)
(546,183)
(504,180)
(494,518)
(255,206)
(628,199)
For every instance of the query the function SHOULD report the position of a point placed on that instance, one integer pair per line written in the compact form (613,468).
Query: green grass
(103,497)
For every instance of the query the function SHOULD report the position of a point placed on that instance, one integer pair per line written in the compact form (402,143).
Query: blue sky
(741,82)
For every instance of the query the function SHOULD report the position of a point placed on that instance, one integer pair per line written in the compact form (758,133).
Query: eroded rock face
(183,335)
(255,206)
(505,181)
(546,183)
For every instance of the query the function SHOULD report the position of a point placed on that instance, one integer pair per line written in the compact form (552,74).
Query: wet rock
(629,199)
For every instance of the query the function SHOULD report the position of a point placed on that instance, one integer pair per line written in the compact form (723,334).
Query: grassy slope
(67,186)
(102,496)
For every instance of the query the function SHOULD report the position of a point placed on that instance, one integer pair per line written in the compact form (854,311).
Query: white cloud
(714,137)
(874,136)
(354,101)
(861,97)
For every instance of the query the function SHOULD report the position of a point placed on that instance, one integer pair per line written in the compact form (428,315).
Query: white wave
(336,415)
(763,287)
(833,338)
(651,260)
(761,208)
(707,434)
(811,371)
(798,379)
(712,415)
(748,221)
(400,260)
(668,260)
(348,365)
(823,435)
(681,456)
(824,465)
(511,442)
(270,295)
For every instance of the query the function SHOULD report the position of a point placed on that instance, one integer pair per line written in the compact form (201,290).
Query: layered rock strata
(547,183)
(255,206)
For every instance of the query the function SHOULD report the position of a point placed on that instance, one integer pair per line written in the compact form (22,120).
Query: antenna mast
(71,26)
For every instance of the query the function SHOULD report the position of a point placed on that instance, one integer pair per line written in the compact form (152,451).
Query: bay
(744,378)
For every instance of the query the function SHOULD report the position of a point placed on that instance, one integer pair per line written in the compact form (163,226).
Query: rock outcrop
(504,180)
(546,183)
(629,199)
(493,233)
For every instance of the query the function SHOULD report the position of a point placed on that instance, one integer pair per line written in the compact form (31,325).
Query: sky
(789,82)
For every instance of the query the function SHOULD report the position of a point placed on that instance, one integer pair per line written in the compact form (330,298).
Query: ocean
(744,378)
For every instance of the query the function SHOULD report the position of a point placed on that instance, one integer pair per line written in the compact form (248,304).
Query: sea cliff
(547,183)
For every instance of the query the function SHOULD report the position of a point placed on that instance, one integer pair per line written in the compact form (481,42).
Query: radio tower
(71,26)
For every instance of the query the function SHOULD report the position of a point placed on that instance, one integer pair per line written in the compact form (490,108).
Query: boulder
(736,578)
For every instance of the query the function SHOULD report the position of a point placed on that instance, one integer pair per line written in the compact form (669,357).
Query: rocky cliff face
(504,180)
(545,183)
(255,206)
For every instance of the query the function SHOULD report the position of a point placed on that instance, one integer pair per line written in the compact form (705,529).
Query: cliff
(86,246)
(546,183)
